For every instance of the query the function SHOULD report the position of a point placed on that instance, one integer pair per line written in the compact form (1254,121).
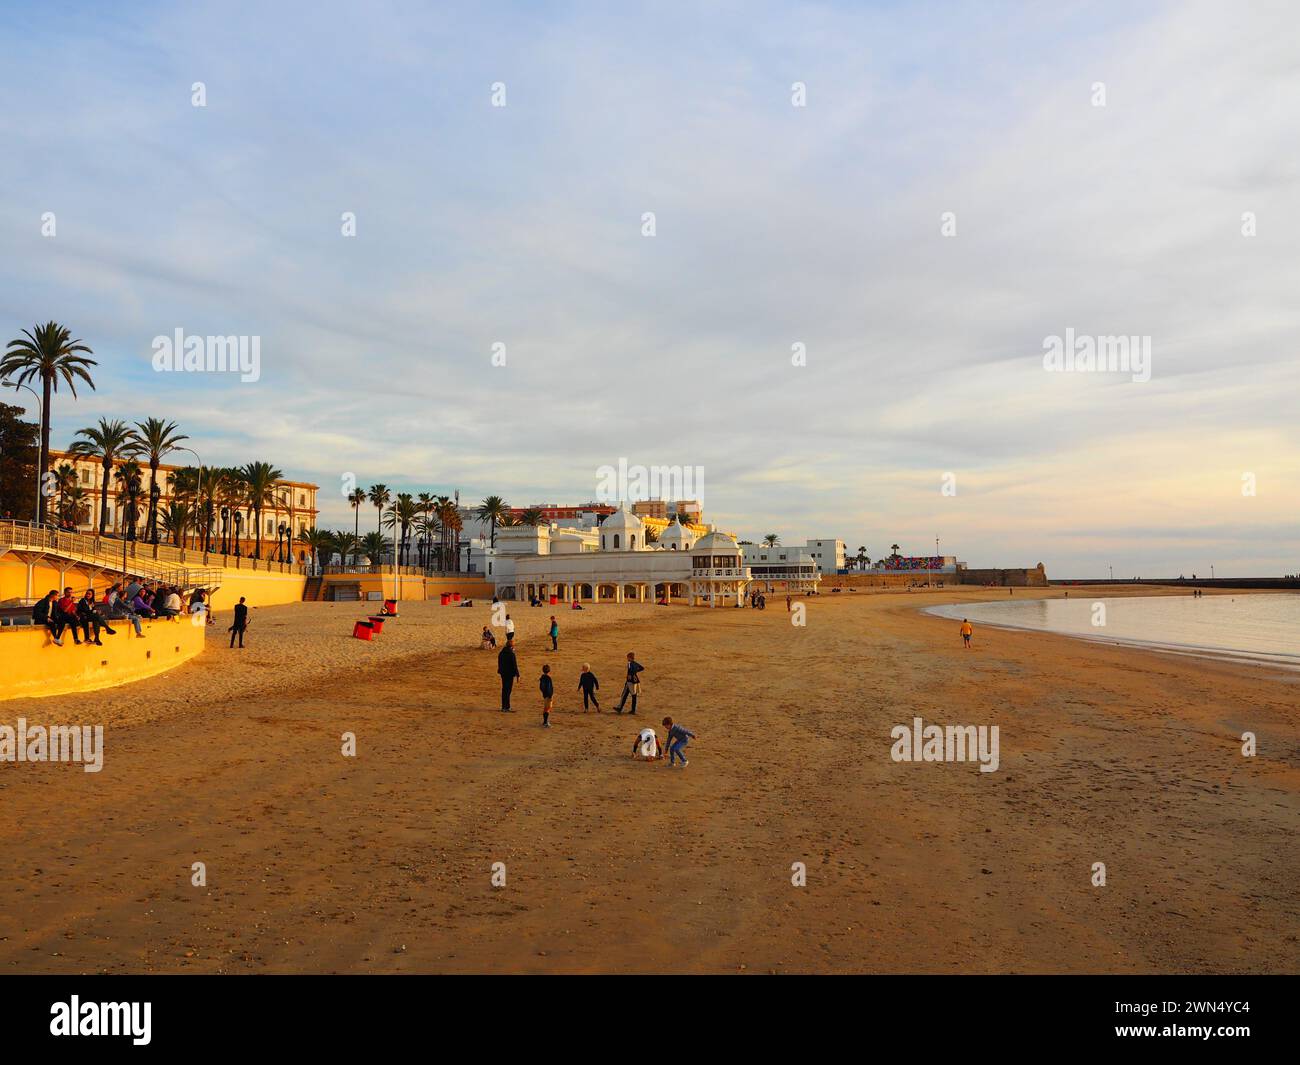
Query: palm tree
(863,561)
(317,540)
(401,515)
(374,545)
(426,529)
(175,521)
(493,509)
(356,499)
(771,539)
(65,479)
(532,516)
(894,548)
(128,479)
(259,480)
(73,508)
(109,440)
(48,352)
(346,544)
(379,497)
(155,439)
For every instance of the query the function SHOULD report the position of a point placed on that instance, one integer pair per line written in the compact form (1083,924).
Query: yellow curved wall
(31,665)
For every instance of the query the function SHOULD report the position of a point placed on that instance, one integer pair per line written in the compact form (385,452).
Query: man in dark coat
(508,667)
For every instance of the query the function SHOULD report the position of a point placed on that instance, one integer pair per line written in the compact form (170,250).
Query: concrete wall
(1007,578)
(31,665)
(411,587)
(260,589)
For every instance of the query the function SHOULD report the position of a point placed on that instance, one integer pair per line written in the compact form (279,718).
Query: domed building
(622,531)
(718,572)
(675,538)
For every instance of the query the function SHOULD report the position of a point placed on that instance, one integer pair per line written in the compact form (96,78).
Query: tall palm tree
(259,484)
(492,510)
(317,541)
(356,499)
(771,539)
(379,495)
(48,352)
(129,480)
(155,439)
(426,530)
(863,561)
(175,521)
(532,516)
(894,548)
(65,479)
(73,508)
(109,440)
(400,517)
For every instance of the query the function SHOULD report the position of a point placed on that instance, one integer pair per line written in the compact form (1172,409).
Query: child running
(548,694)
(645,748)
(678,737)
(966,632)
(587,684)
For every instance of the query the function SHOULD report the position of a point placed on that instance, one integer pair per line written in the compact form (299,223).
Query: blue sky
(775,225)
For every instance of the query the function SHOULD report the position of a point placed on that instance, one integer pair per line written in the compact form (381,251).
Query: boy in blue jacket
(678,737)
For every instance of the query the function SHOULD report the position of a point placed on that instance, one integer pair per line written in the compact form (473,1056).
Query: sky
(953,185)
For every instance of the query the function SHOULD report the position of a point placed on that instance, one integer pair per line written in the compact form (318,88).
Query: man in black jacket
(508,667)
(241,622)
(45,615)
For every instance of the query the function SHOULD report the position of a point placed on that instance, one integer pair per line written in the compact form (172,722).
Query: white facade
(828,554)
(791,569)
(614,564)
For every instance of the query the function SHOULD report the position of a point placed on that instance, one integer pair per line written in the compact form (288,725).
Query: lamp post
(239,520)
(36,513)
(225,521)
(279,541)
(198,491)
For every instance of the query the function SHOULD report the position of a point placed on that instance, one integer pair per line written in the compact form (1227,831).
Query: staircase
(311,592)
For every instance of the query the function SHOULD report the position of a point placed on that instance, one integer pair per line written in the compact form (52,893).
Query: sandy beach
(383,862)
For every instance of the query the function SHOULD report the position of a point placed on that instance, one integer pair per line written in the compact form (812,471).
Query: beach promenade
(318,862)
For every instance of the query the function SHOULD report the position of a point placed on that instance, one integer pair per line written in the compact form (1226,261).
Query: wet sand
(383,862)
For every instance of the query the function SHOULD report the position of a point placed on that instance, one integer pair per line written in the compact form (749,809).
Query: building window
(616,541)
(631,541)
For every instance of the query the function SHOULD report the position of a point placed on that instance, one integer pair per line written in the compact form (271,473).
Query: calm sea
(1262,628)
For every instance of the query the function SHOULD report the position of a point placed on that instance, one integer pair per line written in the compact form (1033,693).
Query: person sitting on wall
(45,614)
(90,618)
(67,610)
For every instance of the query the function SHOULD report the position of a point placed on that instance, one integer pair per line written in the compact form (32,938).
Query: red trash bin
(554,599)
(377,623)
(455,597)
(444,599)
(362,630)
(390,607)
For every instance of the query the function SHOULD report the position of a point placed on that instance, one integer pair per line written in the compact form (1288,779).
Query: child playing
(645,748)
(587,684)
(555,634)
(548,693)
(678,737)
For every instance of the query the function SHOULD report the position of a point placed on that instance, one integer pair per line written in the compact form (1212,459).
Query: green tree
(19,446)
(109,441)
(155,440)
(379,495)
(47,352)
(771,539)
(492,510)
(259,486)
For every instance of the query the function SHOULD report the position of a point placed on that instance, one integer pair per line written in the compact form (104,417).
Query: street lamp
(279,541)
(198,491)
(225,539)
(239,520)
(36,514)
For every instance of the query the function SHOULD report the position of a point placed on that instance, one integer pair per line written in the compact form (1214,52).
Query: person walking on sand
(678,737)
(632,685)
(548,695)
(966,632)
(587,684)
(510,628)
(508,668)
(240,623)
(555,634)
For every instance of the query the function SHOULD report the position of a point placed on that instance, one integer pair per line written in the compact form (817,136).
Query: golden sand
(383,863)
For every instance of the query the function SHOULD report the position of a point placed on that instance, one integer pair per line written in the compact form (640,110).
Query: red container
(554,599)
(362,630)
(390,607)
(377,623)
(455,597)
(444,599)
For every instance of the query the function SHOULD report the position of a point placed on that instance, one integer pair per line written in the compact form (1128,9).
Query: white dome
(715,543)
(675,538)
(622,531)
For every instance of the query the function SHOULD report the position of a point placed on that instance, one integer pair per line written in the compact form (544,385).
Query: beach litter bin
(444,599)
(363,630)
(554,599)
(455,597)
(377,623)
(390,607)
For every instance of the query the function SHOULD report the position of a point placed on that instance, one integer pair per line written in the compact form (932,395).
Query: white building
(785,569)
(828,554)
(613,564)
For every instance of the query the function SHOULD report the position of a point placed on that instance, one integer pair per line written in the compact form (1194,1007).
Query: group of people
(128,601)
